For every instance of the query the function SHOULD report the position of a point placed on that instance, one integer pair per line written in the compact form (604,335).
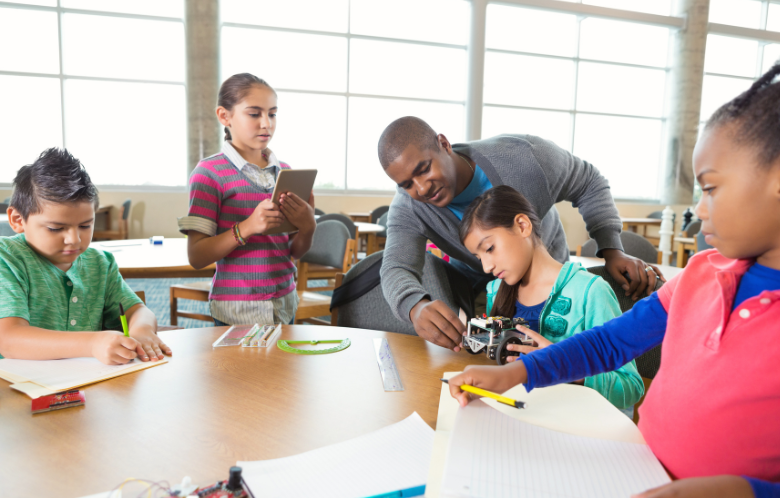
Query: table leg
(682,255)
(371,247)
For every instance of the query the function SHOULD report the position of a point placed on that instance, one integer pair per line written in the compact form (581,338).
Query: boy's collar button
(69,283)
(75,299)
(765,300)
(744,313)
(73,322)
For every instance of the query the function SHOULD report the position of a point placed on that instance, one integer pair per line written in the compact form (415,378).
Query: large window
(593,86)
(736,57)
(345,69)
(104,79)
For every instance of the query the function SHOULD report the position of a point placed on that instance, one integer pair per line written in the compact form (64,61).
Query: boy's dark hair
(497,208)
(234,89)
(755,115)
(56,176)
(403,132)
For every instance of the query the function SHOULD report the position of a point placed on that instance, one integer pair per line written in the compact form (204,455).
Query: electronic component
(58,401)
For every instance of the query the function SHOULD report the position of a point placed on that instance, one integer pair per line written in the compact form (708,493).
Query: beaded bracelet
(237,235)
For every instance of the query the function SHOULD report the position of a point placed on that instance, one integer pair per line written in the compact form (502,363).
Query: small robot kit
(248,336)
(232,488)
(493,334)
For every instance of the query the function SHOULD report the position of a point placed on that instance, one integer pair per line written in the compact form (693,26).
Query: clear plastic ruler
(384,358)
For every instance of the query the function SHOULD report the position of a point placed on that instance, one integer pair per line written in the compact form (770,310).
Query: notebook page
(492,454)
(390,459)
(60,375)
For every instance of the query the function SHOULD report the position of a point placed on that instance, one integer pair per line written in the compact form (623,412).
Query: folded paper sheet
(390,459)
(493,454)
(43,377)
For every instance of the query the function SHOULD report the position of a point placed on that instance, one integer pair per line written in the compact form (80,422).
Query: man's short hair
(402,133)
(56,176)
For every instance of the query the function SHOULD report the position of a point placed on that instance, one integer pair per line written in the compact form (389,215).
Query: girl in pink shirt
(711,415)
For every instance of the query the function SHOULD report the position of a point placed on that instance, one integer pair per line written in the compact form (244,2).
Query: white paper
(492,454)
(60,375)
(390,459)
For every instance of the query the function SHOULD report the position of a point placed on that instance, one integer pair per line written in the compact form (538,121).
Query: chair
(359,302)
(701,245)
(318,211)
(332,251)
(647,364)
(122,233)
(633,244)
(381,237)
(378,212)
(353,230)
(354,233)
(692,229)
(197,291)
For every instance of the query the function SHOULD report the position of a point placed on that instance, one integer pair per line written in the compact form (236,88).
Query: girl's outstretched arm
(588,353)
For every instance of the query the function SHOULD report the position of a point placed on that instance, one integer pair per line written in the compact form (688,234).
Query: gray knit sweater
(540,170)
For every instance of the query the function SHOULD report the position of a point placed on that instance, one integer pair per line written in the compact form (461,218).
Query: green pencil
(124,320)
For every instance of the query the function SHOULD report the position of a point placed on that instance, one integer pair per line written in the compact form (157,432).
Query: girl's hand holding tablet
(298,212)
(265,217)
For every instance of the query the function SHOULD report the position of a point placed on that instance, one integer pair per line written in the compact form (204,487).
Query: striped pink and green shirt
(221,194)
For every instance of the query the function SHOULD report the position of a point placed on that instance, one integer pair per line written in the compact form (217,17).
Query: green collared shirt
(84,298)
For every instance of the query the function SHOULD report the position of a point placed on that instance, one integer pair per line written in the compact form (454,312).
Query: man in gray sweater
(437,181)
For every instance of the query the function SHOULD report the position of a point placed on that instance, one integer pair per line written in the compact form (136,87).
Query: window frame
(62,77)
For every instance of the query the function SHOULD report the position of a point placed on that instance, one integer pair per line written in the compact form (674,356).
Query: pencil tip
(121,309)
(445,381)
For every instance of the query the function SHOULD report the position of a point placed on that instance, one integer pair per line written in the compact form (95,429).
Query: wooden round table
(137,258)
(210,407)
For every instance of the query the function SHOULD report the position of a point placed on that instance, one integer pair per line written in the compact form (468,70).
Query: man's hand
(113,348)
(150,346)
(265,217)
(702,487)
(642,282)
(435,322)
(539,343)
(496,379)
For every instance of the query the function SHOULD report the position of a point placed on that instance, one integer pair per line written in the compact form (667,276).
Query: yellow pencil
(488,394)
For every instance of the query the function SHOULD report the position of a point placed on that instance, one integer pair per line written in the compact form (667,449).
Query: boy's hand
(496,379)
(539,343)
(150,346)
(702,487)
(298,212)
(265,217)
(113,348)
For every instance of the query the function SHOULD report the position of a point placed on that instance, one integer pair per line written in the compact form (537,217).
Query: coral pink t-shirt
(714,406)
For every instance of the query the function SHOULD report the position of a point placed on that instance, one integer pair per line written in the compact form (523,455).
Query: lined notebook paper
(492,454)
(41,377)
(390,459)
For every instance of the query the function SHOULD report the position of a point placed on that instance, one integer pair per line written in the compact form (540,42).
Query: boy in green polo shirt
(60,298)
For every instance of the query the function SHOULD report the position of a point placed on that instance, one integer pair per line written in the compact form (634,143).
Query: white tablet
(298,181)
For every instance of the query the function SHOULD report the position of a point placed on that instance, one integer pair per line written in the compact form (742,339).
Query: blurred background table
(137,258)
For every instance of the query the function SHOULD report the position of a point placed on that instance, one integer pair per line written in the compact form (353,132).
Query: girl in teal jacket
(501,229)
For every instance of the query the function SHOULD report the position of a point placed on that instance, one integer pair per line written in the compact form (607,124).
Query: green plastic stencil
(285,346)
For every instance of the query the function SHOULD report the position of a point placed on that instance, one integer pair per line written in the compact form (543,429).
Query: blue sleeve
(764,489)
(601,349)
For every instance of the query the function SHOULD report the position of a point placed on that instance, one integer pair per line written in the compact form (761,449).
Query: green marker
(124,320)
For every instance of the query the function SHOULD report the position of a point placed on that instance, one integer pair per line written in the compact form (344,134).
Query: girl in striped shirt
(231,209)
